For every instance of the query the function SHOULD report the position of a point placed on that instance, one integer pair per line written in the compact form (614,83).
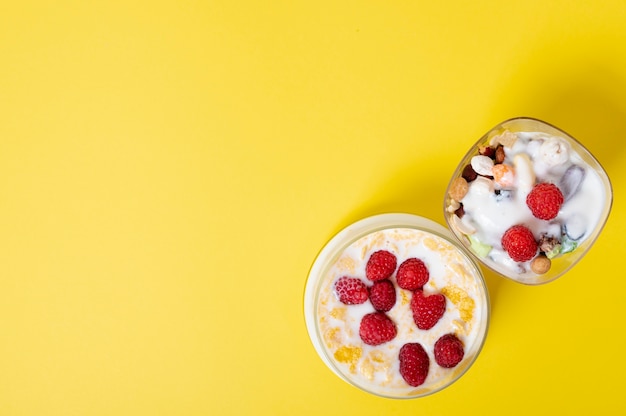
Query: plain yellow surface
(170,170)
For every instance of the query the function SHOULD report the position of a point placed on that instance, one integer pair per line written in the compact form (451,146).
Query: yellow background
(170,170)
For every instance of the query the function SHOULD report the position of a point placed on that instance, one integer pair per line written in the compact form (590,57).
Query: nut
(454,205)
(500,155)
(506,139)
(487,151)
(468,173)
(503,175)
(548,243)
(460,212)
(524,172)
(460,227)
(482,165)
(540,264)
(483,186)
(554,151)
(458,189)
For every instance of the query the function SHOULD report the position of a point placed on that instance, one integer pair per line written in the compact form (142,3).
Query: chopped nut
(454,205)
(460,226)
(500,154)
(540,264)
(469,174)
(483,186)
(547,243)
(460,211)
(506,139)
(488,151)
(554,151)
(525,173)
(458,188)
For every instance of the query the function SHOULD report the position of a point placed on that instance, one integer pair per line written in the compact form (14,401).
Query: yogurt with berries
(394,306)
(528,203)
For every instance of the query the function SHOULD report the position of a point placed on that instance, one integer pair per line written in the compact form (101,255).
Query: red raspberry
(519,242)
(427,310)
(412,274)
(350,290)
(414,364)
(377,328)
(449,351)
(545,201)
(380,265)
(383,295)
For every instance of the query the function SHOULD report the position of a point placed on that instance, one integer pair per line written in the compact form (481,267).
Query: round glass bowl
(482,202)
(334,327)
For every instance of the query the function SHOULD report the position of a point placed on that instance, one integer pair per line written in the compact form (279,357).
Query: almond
(482,165)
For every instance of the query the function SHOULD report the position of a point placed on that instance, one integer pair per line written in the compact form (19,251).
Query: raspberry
(383,295)
(519,242)
(427,310)
(412,274)
(545,200)
(350,290)
(448,351)
(414,363)
(377,328)
(380,265)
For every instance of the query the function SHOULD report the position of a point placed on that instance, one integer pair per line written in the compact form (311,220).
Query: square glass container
(512,158)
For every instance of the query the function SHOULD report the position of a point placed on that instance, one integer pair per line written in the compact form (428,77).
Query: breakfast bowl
(528,200)
(396,306)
